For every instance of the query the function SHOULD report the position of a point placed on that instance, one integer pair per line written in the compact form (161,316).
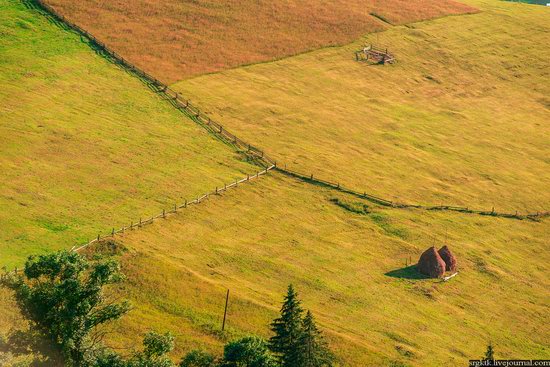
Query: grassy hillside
(175,39)
(347,261)
(462,118)
(85,146)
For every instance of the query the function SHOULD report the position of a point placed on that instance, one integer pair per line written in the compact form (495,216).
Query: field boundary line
(173,210)
(170,95)
(393,204)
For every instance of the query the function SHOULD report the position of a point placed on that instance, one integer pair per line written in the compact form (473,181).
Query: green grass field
(348,263)
(462,118)
(86,146)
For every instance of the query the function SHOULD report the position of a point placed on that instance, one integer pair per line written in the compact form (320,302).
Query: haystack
(431,264)
(448,257)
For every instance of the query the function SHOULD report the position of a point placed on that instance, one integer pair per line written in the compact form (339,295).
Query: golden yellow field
(460,119)
(347,262)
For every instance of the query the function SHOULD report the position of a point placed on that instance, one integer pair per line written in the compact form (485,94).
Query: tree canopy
(63,294)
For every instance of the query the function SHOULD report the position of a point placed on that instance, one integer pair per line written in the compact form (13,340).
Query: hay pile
(431,264)
(449,258)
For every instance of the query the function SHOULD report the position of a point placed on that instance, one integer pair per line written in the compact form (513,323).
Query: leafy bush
(63,294)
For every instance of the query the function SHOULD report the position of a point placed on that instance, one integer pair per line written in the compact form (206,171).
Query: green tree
(63,294)
(155,349)
(198,358)
(312,350)
(248,352)
(108,358)
(287,330)
(489,353)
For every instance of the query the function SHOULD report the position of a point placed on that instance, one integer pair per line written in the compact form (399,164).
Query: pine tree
(312,348)
(489,354)
(287,330)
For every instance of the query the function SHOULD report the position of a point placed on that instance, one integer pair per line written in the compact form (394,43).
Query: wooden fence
(222,133)
(174,97)
(170,211)
(394,204)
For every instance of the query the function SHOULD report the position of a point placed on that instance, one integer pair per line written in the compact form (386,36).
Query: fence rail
(173,210)
(181,103)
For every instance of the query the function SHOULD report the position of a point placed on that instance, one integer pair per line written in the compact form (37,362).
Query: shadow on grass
(409,272)
(32,346)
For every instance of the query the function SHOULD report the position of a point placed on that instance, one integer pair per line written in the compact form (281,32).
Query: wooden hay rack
(374,55)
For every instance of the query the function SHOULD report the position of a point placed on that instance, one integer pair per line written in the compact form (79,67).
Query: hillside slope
(86,146)
(347,259)
(462,118)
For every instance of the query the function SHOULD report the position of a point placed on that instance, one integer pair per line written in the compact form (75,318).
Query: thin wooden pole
(225,310)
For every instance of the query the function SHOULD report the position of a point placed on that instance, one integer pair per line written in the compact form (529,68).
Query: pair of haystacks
(434,263)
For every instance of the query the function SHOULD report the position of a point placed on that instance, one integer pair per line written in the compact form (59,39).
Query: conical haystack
(431,264)
(448,258)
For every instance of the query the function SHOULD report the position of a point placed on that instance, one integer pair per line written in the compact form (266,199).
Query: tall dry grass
(177,39)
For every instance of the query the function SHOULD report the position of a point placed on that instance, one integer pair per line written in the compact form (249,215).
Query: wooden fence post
(225,310)
(185,205)
(163,213)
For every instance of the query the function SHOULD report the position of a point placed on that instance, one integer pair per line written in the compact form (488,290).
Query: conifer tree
(489,354)
(312,349)
(287,330)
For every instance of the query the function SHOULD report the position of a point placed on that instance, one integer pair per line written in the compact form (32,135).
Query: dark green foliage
(489,353)
(63,294)
(354,207)
(287,330)
(248,352)
(312,350)
(156,346)
(108,358)
(198,358)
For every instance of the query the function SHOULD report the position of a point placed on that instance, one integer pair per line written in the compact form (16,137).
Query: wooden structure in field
(374,55)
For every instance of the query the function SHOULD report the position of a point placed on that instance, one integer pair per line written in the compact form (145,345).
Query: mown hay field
(347,259)
(461,118)
(86,146)
(174,39)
